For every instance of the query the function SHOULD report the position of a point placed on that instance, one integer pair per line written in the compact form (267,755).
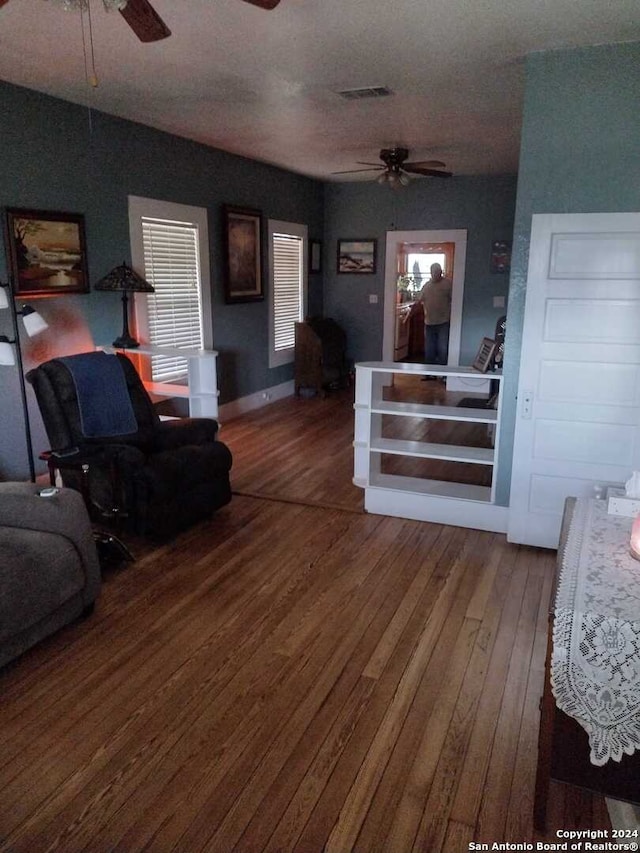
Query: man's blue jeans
(436,343)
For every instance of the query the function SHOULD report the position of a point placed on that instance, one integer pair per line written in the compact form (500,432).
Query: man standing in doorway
(435,297)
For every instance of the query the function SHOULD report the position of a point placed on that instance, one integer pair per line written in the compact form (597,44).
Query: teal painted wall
(55,155)
(580,153)
(482,205)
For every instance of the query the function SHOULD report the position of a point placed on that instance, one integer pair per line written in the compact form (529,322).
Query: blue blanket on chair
(103,396)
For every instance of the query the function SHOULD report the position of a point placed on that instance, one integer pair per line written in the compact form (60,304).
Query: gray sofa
(49,570)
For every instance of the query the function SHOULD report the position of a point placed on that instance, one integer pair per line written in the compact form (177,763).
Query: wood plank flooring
(290,677)
(298,449)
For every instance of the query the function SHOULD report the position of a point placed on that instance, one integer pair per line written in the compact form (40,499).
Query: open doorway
(403,249)
(414,271)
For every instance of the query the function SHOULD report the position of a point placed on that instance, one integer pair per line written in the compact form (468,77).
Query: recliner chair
(162,476)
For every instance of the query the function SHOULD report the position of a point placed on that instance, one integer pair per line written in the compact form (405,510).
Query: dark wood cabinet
(320,355)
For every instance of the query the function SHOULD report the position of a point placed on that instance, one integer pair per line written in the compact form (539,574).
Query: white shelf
(442,488)
(426,369)
(413,496)
(166,389)
(201,389)
(446,413)
(425,450)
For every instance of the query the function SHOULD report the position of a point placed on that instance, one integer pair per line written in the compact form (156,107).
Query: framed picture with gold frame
(47,252)
(243,250)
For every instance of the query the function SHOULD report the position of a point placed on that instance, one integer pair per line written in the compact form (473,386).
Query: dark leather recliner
(163,475)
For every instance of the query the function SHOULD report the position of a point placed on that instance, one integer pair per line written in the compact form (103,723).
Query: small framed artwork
(243,247)
(484,358)
(357,256)
(46,252)
(315,256)
(501,256)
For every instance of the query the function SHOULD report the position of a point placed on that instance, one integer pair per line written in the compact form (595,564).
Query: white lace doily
(595,665)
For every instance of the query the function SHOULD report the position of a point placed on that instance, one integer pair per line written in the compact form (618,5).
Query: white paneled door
(578,415)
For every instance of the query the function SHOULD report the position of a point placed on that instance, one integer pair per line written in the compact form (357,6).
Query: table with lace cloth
(595,662)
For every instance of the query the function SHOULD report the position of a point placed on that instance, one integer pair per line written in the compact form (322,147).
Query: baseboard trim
(241,405)
(453,511)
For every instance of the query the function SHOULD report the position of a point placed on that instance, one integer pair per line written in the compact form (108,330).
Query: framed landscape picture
(47,252)
(357,256)
(243,265)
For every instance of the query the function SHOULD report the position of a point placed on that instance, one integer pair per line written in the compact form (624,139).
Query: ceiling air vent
(367,92)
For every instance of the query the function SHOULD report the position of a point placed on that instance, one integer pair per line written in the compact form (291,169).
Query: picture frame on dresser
(484,356)
(242,254)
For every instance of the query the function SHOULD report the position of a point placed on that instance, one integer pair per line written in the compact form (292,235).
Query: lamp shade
(124,278)
(7,354)
(33,322)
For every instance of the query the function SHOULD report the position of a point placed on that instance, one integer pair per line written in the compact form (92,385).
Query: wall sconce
(11,353)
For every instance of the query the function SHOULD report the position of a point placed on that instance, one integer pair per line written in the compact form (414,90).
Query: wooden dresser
(563,746)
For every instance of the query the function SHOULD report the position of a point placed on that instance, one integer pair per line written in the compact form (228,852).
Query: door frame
(459,237)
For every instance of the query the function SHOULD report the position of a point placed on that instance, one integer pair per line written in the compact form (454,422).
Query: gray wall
(56,156)
(580,153)
(482,205)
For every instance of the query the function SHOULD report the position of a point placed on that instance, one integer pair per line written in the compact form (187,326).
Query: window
(415,259)
(288,275)
(169,244)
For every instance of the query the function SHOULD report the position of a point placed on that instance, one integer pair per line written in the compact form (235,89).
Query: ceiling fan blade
(374,165)
(430,173)
(353,171)
(145,21)
(3,3)
(264,4)
(425,164)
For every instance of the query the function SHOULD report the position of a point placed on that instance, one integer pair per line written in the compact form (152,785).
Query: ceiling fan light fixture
(75,5)
(382,178)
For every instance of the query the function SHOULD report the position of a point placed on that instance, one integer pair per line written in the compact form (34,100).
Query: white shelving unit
(413,497)
(201,389)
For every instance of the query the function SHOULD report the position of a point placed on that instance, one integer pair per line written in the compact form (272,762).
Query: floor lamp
(11,353)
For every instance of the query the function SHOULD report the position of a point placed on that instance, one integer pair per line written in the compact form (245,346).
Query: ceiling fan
(142,17)
(395,170)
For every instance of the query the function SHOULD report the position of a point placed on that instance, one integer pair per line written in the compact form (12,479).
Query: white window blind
(172,266)
(287,288)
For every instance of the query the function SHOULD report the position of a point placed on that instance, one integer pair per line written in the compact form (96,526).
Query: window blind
(171,265)
(287,288)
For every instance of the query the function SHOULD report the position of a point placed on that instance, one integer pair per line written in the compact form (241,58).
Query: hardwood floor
(290,677)
(298,449)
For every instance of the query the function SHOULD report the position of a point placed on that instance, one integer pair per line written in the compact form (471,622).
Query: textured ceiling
(264,84)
